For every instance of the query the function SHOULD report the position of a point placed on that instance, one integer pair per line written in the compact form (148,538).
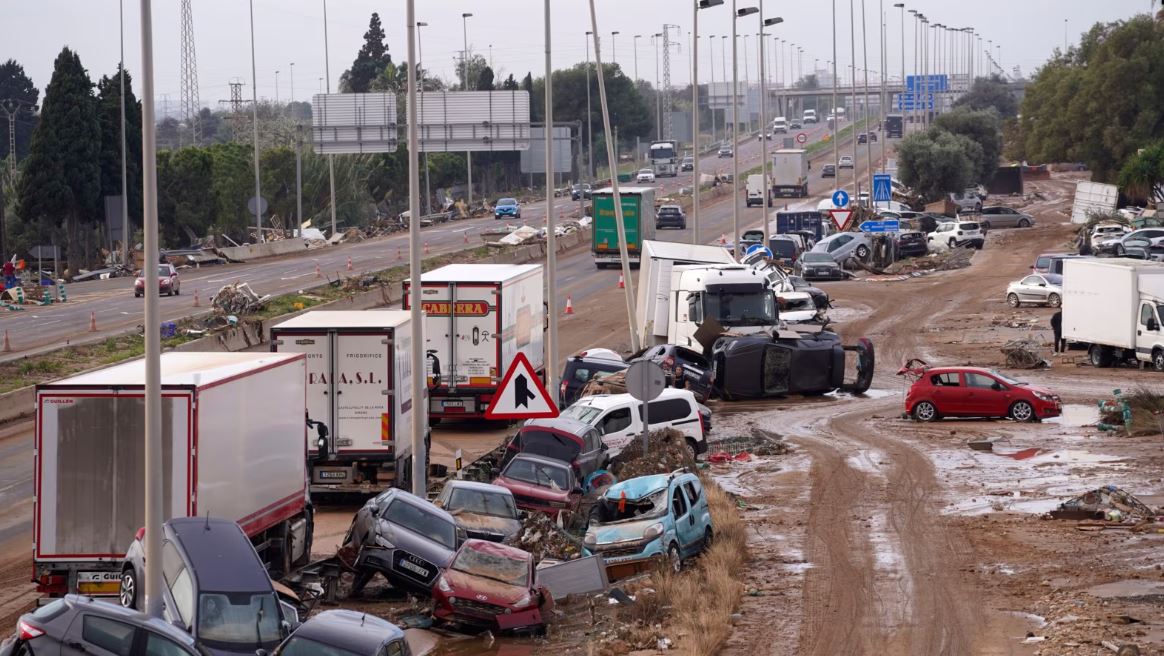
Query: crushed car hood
(486,527)
(484,589)
(622,531)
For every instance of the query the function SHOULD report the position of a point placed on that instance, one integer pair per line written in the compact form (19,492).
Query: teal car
(507,207)
(644,519)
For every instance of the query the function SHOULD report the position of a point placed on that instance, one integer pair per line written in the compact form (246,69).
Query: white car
(846,162)
(951,234)
(1106,234)
(1036,289)
(618,417)
(645,175)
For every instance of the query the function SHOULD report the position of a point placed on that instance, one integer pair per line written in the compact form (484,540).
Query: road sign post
(841,218)
(880,226)
(521,394)
(840,198)
(882,188)
(645,381)
(801,138)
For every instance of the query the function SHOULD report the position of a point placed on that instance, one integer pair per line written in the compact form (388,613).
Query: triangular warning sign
(841,218)
(521,394)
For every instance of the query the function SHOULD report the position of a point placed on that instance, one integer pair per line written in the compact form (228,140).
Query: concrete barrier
(265,249)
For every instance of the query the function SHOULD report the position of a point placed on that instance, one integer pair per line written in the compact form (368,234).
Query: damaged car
(650,518)
(683,367)
(406,539)
(789,362)
(492,586)
(541,484)
(482,511)
(562,438)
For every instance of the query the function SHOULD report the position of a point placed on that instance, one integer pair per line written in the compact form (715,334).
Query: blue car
(649,518)
(507,207)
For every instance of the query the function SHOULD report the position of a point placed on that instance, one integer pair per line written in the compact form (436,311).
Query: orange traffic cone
(426,248)
(349,264)
(197,303)
(7,345)
(92,322)
(317,272)
(569,305)
(621,282)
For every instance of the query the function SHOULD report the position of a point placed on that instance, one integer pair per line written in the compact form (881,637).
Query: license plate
(344,441)
(414,568)
(452,404)
(340,475)
(98,583)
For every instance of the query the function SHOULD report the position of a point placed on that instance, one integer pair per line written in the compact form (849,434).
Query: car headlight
(1042,396)
(527,600)
(383,542)
(590,540)
(443,585)
(653,531)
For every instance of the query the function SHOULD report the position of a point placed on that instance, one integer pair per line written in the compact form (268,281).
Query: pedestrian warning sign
(521,394)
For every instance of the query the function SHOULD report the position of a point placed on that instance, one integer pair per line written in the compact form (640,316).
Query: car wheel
(127,594)
(1158,360)
(674,559)
(1119,250)
(178,291)
(862,252)
(692,448)
(1013,300)
(1023,223)
(136,295)
(953,244)
(1022,411)
(925,411)
(986,225)
(708,538)
(1054,300)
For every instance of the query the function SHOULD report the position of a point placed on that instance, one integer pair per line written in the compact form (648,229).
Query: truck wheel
(1013,300)
(692,448)
(1022,411)
(985,225)
(127,594)
(925,411)
(1100,356)
(1054,300)
(1158,360)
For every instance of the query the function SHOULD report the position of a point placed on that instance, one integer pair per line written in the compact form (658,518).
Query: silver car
(1005,217)
(844,245)
(1036,289)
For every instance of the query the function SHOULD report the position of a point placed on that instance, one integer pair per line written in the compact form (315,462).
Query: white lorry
(1114,307)
(790,173)
(664,158)
(478,317)
(359,373)
(1093,198)
(233,447)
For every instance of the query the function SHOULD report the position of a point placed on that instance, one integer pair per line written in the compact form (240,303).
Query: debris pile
(1016,320)
(1024,354)
(1109,503)
(956,258)
(759,443)
(238,298)
(540,536)
(666,452)
(614,383)
(1138,413)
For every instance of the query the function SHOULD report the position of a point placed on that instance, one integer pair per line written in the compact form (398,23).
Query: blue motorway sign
(759,247)
(882,189)
(884,225)
(927,83)
(908,102)
(840,198)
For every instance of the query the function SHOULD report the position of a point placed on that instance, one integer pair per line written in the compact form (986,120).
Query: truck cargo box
(1101,299)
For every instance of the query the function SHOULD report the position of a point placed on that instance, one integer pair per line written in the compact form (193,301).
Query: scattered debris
(540,536)
(957,258)
(666,452)
(1016,320)
(238,298)
(1108,503)
(1024,354)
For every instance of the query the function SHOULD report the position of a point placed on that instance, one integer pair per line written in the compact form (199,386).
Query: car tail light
(27,631)
(51,584)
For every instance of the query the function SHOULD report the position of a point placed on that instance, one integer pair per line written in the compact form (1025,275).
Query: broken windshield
(740,308)
(621,509)
(509,570)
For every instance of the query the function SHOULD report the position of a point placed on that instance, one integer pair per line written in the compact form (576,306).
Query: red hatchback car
(491,585)
(541,484)
(972,392)
(168,282)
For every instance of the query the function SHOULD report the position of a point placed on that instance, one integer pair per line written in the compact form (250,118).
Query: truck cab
(664,157)
(736,297)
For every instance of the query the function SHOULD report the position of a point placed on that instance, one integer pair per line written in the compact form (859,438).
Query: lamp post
(711,89)
(901,6)
(747,85)
(465,86)
(833,111)
(696,6)
(635,46)
(276,86)
(419,450)
(589,120)
(658,94)
(124,184)
(763,128)
(255,121)
(330,157)
(737,14)
(614,47)
(420,88)
(551,237)
(292,80)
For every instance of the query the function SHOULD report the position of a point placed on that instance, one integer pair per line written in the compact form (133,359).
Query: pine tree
(62,175)
(370,62)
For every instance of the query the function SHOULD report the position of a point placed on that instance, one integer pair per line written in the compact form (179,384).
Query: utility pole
(711,89)
(589,115)
(419,400)
(551,237)
(420,81)
(125,236)
(255,114)
(635,45)
(330,157)
(191,105)
(465,86)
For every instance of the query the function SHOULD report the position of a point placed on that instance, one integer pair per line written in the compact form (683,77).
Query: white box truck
(790,173)
(233,447)
(478,317)
(653,296)
(1093,198)
(1114,307)
(359,373)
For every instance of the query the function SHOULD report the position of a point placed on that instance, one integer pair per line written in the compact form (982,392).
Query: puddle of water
(871,393)
(1128,588)
(1076,415)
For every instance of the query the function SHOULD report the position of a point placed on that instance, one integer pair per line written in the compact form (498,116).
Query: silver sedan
(1036,289)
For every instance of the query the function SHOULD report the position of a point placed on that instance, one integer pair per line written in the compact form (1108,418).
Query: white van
(618,417)
(809,116)
(755,190)
(780,124)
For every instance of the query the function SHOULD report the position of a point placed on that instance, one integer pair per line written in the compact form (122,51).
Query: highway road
(115,310)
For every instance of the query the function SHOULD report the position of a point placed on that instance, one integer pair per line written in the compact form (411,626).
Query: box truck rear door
(363,380)
(477,334)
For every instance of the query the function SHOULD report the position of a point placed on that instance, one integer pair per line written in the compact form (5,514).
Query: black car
(687,164)
(862,138)
(818,266)
(81,625)
(912,243)
(684,368)
(762,366)
(820,297)
(873,137)
(343,633)
(828,171)
(214,585)
(795,124)
(583,367)
(671,216)
(580,191)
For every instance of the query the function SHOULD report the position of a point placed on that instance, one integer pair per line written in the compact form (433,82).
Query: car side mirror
(997,387)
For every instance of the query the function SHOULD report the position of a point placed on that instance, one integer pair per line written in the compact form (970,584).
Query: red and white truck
(359,373)
(233,438)
(478,317)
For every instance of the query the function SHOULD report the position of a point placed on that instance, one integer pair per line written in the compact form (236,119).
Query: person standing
(1057,328)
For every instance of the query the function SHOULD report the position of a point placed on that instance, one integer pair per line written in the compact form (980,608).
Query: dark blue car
(507,207)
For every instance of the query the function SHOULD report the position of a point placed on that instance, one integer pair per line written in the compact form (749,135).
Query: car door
(590,455)
(699,508)
(1027,289)
(617,427)
(159,645)
(1148,332)
(947,393)
(986,396)
(684,519)
(91,634)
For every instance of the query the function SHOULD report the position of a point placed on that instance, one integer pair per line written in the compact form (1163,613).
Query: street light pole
(276,86)
(551,236)
(589,116)
(330,157)
(853,89)
(833,111)
(635,45)
(868,141)
(152,465)
(696,5)
(465,85)
(420,83)
(711,89)
(901,6)
(419,400)
(292,75)
(255,119)
(614,47)
(736,15)
(763,127)
(125,236)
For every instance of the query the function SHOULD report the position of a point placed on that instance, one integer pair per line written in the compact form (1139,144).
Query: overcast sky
(289,31)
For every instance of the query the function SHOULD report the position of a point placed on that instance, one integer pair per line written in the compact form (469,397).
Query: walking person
(1057,328)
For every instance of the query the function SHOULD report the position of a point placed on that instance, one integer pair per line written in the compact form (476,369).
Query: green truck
(638,213)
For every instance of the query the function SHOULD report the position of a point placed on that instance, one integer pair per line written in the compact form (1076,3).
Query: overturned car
(789,362)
